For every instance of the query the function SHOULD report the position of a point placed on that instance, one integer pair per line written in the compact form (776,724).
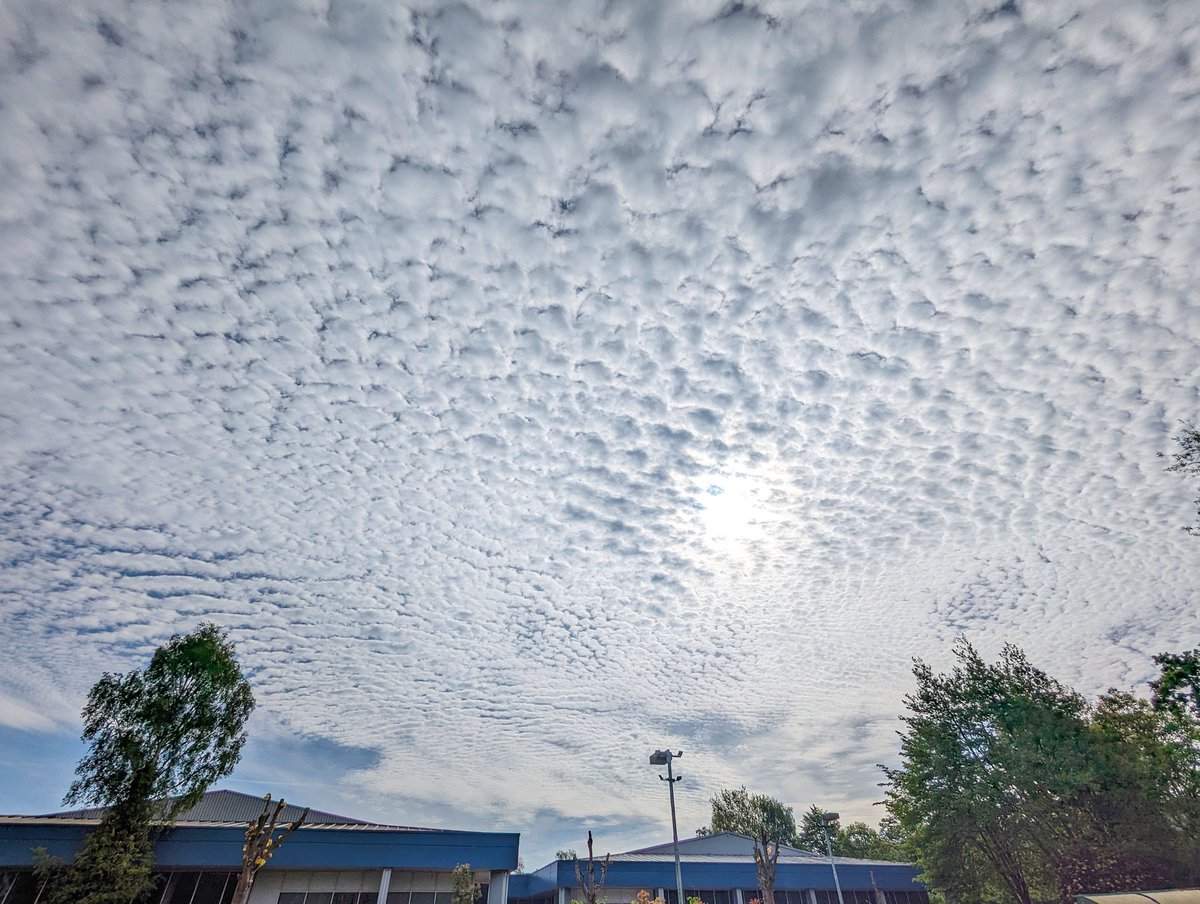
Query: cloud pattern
(529,385)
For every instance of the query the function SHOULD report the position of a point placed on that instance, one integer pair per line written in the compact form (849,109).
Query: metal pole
(671,780)
(832,865)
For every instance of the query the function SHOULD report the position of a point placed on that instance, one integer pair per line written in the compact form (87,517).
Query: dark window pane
(345,897)
(291,897)
(397,897)
(181,888)
(422,897)
(483,892)
(442,897)
(319,897)
(20,886)
(210,888)
(368,897)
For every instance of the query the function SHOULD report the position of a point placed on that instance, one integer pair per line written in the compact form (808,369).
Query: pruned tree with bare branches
(263,838)
(589,885)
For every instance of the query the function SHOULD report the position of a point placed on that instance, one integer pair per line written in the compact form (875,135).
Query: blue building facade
(719,869)
(338,860)
(330,860)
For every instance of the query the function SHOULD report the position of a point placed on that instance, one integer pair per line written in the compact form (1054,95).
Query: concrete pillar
(385,882)
(497,887)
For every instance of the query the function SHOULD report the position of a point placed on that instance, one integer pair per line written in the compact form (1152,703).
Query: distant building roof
(224,808)
(718,844)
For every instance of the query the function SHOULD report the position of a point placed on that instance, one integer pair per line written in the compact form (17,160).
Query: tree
(167,732)
(465,888)
(261,844)
(589,885)
(854,840)
(565,854)
(1014,788)
(1177,689)
(158,738)
(1187,461)
(767,822)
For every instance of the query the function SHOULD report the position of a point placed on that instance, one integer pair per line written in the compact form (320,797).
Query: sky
(528,386)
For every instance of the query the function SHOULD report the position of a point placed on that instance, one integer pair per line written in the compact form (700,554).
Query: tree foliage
(765,820)
(1177,689)
(1187,462)
(464,887)
(167,732)
(157,739)
(854,840)
(1014,788)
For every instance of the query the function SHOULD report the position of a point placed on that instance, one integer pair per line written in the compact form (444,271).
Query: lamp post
(826,819)
(665,758)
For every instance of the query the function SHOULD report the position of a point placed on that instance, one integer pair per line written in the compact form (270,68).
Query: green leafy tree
(1177,689)
(767,822)
(167,732)
(1187,462)
(158,737)
(1013,788)
(810,833)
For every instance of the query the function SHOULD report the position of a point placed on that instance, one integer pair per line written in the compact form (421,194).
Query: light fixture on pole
(826,819)
(665,758)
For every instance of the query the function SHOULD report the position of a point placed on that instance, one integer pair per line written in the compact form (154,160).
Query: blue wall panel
(306,849)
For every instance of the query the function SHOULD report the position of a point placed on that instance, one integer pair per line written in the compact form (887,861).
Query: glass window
(319,897)
(483,892)
(210,888)
(368,897)
(291,897)
(397,897)
(345,897)
(180,888)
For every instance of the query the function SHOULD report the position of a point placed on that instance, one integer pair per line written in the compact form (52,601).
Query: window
(207,887)
(331,897)
(913,896)
(710,895)
(849,895)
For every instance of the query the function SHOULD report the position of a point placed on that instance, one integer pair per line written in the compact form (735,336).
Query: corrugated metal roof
(728,847)
(721,843)
(226,808)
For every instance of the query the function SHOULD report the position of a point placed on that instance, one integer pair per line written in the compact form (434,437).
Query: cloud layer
(529,386)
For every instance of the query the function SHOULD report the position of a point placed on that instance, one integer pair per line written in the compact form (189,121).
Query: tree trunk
(241,893)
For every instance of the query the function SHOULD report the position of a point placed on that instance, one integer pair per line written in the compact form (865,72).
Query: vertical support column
(385,882)
(497,887)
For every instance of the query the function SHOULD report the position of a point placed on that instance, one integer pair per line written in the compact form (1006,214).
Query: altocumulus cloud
(529,385)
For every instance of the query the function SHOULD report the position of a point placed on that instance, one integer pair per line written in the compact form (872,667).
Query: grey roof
(234,808)
(729,847)
(722,844)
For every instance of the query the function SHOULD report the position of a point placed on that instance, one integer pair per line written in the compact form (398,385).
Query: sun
(734,509)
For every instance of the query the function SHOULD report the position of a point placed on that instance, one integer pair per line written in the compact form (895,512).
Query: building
(330,860)
(719,869)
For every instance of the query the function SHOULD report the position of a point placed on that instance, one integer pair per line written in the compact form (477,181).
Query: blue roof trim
(345,848)
(661,874)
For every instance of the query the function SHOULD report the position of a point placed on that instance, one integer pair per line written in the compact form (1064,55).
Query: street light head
(830,817)
(660,758)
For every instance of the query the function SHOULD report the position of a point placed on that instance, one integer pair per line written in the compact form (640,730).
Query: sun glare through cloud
(734,511)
